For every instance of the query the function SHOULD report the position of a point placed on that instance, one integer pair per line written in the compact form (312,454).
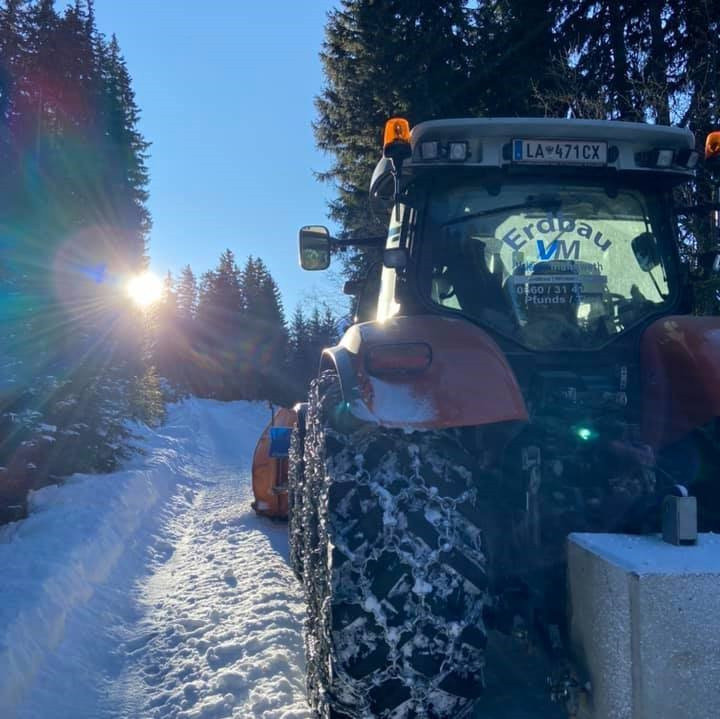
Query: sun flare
(144,289)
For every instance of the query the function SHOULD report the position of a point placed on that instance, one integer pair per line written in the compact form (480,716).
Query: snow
(155,591)
(395,404)
(645,555)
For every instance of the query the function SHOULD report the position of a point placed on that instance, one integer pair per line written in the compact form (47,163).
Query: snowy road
(155,591)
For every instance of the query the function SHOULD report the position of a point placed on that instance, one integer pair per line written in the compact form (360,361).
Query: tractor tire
(393,570)
(296,490)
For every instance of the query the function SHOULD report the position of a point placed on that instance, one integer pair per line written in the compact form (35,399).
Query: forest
(74,175)
(226,335)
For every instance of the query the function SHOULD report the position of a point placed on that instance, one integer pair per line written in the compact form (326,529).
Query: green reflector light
(585,433)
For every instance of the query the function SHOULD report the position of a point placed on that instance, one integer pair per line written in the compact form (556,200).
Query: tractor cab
(550,234)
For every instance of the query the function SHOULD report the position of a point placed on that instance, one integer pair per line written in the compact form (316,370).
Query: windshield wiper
(548,204)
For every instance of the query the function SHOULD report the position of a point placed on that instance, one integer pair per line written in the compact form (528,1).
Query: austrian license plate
(565,152)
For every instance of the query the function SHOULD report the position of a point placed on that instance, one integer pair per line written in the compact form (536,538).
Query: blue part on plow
(279,442)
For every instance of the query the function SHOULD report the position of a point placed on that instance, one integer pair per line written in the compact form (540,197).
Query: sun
(144,289)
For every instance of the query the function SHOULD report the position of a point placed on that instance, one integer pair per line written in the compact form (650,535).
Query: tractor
(530,367)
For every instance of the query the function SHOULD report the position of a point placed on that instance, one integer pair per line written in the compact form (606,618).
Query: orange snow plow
(270,465)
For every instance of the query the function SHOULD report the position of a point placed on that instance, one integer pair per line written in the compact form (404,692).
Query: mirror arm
(397,163)
(376,241)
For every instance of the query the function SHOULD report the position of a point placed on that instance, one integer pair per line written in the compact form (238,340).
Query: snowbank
(75,534)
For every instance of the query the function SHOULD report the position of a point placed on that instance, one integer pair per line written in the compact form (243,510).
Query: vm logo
(559,250)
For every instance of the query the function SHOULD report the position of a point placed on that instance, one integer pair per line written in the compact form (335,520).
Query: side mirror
(646,250)
(314,247)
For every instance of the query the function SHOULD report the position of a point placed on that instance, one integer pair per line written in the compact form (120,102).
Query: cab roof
(628,146)
(551,127)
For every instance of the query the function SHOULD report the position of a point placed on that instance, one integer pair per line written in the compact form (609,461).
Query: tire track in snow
(224,619)
(224,613)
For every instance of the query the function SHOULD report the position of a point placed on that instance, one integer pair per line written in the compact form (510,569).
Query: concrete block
(645,619)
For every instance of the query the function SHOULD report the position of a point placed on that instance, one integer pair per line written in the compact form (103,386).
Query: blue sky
(226,92)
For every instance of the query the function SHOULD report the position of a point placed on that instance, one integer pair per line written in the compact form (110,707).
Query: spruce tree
(275,384)
(166,336)
(381,60)
(219,318)
(126,183)
(511,48)
(187,294)
(263,335)
(14,32)
(299,354)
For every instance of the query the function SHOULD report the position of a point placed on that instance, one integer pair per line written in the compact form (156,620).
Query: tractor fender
(680,358)
(467,381)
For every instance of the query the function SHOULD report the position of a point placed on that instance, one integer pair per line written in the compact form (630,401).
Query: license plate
(565,152)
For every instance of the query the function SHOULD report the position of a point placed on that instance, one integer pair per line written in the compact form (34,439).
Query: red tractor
(531,369)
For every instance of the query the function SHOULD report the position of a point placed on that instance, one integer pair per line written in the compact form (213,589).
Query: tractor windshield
(553,265)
